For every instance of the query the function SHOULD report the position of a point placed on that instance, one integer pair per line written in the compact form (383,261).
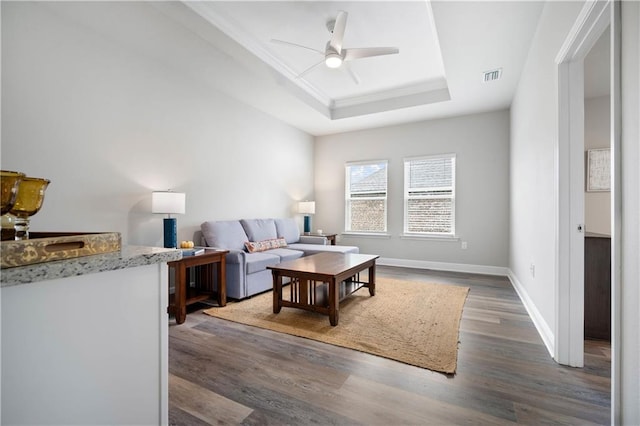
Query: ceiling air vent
(492,75)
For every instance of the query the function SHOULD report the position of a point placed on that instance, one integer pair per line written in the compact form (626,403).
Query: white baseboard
(444,266)
(541,325)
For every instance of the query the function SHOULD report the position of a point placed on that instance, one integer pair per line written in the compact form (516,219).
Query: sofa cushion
(286,254)
(257,262)
(288,229)
(226,234)
(264,245)
(259,229)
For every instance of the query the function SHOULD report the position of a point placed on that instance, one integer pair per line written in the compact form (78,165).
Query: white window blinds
(366,197)
(429,194)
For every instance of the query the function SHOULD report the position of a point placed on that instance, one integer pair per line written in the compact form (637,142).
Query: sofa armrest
(236,256)
(309,239)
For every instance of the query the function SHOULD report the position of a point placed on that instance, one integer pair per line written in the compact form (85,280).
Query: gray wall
(481,143)
(108,101)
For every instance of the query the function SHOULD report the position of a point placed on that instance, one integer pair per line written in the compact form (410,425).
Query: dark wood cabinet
(597,286)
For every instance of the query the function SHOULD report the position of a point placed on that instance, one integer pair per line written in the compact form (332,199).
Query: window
(429,195)
(366,197)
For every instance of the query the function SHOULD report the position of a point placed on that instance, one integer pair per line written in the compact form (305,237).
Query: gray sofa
(246,272)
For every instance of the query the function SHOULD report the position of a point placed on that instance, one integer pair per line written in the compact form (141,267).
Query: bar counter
(85,340)
(128,257)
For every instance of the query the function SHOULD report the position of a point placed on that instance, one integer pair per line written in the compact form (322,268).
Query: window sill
(367,234)
(429,237)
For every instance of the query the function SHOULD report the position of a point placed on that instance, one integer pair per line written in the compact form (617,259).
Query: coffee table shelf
(318,292)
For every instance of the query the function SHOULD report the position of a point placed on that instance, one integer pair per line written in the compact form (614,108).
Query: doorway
(597,203)
(597,135)
(594,19)
(569,332)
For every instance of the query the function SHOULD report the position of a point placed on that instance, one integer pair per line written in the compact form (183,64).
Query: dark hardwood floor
(227,373)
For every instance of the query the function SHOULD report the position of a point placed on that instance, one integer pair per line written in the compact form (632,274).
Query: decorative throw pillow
(257,246)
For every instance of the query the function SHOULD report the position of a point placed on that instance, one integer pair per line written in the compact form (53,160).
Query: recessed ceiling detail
(377,81)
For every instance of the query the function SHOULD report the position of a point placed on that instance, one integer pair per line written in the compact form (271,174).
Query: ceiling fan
(334,54)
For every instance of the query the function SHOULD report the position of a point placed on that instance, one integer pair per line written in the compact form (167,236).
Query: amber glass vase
(10,182)
(28,202)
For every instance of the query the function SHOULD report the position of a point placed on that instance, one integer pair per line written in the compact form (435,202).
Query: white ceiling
(445,46)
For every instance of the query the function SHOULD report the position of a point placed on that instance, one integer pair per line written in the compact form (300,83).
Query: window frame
(348,198)
(406,196)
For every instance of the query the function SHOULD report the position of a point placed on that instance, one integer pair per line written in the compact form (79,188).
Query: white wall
(113,100)
(0,160)
(534,136)
(533,143)
(481,143)
(597,134)
(629,315)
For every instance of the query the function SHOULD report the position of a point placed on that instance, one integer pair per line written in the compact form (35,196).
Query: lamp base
(170,232)
(307,224)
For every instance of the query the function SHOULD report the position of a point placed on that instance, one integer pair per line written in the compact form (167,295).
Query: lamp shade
(307,207)
(168,202)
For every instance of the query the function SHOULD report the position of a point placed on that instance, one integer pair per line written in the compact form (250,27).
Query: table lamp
(167,202)
(307,208)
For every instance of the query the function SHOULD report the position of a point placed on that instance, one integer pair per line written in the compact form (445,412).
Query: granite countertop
(127,257)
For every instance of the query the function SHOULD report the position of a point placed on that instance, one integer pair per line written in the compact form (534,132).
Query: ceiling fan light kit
(333,60)
(334,54)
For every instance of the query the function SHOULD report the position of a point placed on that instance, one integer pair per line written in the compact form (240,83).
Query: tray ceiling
(415,76)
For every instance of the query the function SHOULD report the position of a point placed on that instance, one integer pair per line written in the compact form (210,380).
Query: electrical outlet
(464,245)
(532,268)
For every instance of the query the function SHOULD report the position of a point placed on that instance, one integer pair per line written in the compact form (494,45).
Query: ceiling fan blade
(352,73)
(338,31)
(273,40)
(365,52)
(309,69)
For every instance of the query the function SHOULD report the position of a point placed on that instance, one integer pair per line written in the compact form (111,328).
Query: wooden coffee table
(320,281)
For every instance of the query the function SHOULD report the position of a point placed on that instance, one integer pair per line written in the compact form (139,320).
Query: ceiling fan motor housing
(332,58)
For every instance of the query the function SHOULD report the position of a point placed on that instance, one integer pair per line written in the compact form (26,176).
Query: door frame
(593,20)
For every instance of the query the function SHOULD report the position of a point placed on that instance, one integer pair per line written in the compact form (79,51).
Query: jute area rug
(412,322)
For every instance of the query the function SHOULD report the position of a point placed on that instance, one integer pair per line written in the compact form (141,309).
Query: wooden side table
(330,237)
(205,279)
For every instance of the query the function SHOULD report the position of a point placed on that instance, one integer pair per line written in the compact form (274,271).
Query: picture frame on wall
(599,170)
